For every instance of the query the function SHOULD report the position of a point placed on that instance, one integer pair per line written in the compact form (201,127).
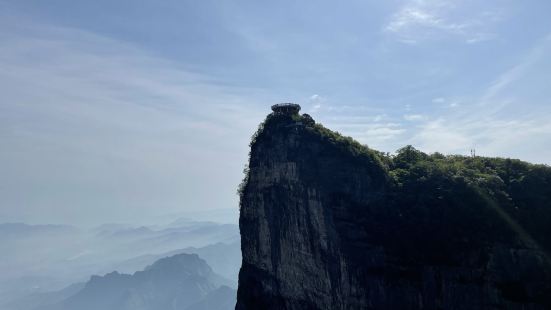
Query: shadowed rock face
(323,226)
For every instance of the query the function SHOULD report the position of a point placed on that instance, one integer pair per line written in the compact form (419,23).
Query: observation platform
(286,108)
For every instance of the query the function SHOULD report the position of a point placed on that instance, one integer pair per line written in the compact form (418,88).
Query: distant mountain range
(224,258)
(39,259)
(182,281)
(21,229)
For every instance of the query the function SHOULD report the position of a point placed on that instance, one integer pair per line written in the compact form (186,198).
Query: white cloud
(414,117)
(374,133)
(315,103)
(315,97)
(491,137)
(383,131)
(379,135)
(503,81)
(480,37)
(421,20)
(501,121)
(451,103)
(112,129)
(437,136)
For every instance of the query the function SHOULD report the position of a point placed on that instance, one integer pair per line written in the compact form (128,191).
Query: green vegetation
(475,190)
(498,199)
(352,146)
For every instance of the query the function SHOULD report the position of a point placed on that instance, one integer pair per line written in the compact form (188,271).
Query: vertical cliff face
(324,225)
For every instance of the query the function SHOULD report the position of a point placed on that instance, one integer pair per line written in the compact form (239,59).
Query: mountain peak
(182,263)
(328,223)
(174,282)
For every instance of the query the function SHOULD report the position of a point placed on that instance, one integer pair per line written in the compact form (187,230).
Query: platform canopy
(286,108)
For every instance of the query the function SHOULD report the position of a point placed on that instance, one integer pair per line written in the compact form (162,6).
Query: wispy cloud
(315,102)
(373,131)
(414,117)
(96,121)
(381,136)
(110,127)
(515,72)
(419,20)
(497,122)
(382,132)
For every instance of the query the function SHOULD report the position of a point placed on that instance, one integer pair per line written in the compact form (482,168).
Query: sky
(131,109)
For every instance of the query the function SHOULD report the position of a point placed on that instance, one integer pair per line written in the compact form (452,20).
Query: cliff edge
(327,223)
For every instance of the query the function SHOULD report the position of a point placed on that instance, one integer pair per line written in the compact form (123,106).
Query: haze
(130,110)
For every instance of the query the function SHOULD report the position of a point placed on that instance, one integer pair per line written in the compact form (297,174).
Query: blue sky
(124,110)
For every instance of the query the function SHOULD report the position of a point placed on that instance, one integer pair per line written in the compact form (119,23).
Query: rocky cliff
(327,223)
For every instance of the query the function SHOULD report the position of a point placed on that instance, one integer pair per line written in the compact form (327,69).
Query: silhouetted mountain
(225,259)
(223,298)
(175,282)
(43,258)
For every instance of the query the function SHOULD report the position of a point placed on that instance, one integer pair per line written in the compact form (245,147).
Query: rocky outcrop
(327,224)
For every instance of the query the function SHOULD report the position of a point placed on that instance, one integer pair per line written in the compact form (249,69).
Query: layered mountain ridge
(182,281)
(327,223)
